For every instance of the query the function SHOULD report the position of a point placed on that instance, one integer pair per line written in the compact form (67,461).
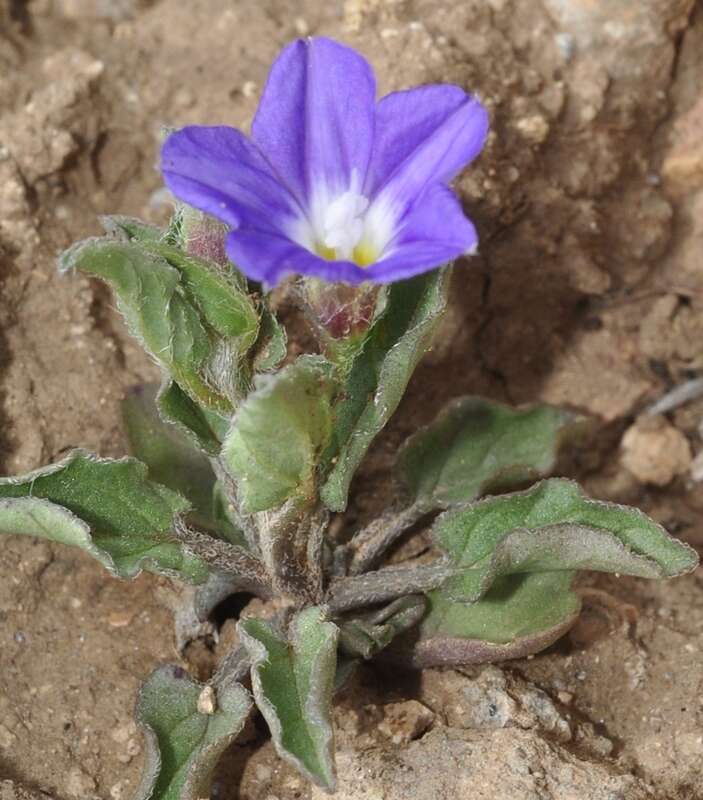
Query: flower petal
(268,258)
(219,171)
(433,233)
(424,135)
(315,121)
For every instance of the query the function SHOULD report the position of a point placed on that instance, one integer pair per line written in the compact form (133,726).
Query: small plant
(241,456)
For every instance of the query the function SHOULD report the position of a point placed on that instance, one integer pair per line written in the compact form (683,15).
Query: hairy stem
(226,558)
(369,544)
(358,591)
(233,668)
(291,538)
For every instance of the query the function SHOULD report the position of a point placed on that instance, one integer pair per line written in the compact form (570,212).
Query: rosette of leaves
(241,455)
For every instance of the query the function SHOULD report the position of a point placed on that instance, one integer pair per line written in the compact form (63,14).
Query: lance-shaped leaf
(475,446)
(171,458)
(159,312)
(187,727)
(380,374)
(174,461)
(205,428)
(217,291)
(293,682)
(273,447)
(549,527)
(128,228)
(109,508)
(519,615)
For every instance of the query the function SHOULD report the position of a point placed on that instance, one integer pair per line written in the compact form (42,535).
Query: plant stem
(233,668)
(226,558)
(291,538)
(357,591)
(369,544)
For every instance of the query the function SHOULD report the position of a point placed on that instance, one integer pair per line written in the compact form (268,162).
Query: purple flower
(331,183)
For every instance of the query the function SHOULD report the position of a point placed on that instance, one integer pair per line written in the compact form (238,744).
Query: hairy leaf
(380,374)
(223,303)
(475,446)
(228,526)
(519,615)
(272,344)
(159,312)
(293,681)
(205,428)
(216,290)
(515,606)
(552,526)
(183,741)
(272,449)
(109,508)
(174,461)
(170,456)
(365,636)
(128,228)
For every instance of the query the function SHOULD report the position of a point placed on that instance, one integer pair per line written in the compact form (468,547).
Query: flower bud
(338,311)
(202,235)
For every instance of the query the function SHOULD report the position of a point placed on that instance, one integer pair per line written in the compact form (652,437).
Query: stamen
(346,227)
(343,223)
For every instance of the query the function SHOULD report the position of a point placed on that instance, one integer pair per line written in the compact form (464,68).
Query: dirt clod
(403,722)
(655,452)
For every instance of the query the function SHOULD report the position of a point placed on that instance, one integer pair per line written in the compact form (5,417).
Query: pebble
(207,701)
(119,619)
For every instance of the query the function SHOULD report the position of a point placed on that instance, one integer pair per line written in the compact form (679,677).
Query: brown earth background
(588,292)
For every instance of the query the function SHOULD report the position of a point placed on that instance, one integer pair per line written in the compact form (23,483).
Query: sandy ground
(588,292)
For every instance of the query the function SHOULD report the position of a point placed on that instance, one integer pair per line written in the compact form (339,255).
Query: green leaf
(380,374)
(174,461)
(217,292)
(170,456)
(272,449)
(293,682)
(365,636)
(159,313)
(183,741)
(552,526)
(475,446)
(107,507)
(272,344)
(515,606)
(205,428)
(128,228)
(518,616)
(228,526)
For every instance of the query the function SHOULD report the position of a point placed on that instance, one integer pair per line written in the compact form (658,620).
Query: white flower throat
(343,223)
(345,226)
